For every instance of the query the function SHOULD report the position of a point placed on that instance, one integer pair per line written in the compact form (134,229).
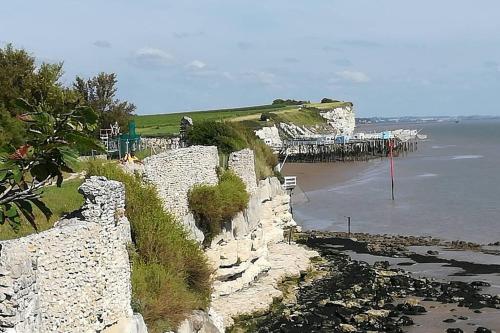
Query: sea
(449,188)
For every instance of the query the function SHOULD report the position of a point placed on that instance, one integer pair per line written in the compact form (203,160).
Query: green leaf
(23,104)
(11,211)
(15,223)
(88,114)
(27,211)
(59,180)
(40,172)
(69,156)
(84,142)
(17,175)
(43,208)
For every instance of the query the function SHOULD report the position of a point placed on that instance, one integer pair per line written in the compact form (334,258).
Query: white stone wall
(175,172)
(74,277)
(243,164)
(160,144)
(342,119)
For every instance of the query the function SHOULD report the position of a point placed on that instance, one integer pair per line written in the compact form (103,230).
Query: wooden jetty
(355,150)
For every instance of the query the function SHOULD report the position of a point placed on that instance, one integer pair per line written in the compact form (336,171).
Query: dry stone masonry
(175,172)
(243,164)
(74,277)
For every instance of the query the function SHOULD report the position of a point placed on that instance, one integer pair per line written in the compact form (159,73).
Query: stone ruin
(74,277)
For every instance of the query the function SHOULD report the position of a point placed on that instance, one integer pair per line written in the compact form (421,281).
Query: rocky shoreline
(348,295)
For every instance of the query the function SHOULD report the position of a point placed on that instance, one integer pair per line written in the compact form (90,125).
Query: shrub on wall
(170,273)
(214,205)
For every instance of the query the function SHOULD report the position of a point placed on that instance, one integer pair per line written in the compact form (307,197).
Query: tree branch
(29,193)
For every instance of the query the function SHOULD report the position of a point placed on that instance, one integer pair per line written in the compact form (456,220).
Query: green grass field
(60,200)
(168,124)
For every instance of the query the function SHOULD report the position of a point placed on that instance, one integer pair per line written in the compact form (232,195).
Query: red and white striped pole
(391,158)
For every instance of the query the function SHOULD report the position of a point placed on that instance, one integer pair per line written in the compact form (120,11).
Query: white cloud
(196,64)
(102,43)
(265,78)
(353,76)
(150,57)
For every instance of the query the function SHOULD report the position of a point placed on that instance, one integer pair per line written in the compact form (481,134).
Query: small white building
(359,136)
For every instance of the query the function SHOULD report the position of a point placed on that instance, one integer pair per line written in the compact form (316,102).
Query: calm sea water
(449,188)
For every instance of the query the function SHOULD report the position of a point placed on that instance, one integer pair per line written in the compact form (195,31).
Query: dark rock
(463,318)
(483,330)
(449,320)
(480,284)
(405,321)
(355,287)
(411,310)
(433,253)
(478,311)
(454,330)
(381,264)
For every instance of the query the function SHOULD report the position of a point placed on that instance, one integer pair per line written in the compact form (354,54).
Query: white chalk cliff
(250,257)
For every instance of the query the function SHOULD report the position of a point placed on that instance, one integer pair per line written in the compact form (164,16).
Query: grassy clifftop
(167,124)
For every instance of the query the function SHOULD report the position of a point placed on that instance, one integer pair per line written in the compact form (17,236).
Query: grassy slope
(165,124)
(60,200)
(170,273)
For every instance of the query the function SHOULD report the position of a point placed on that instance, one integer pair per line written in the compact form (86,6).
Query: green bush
(214,205)
(170,272)
(212,133)
(265,116)
(329,100)
(230,137)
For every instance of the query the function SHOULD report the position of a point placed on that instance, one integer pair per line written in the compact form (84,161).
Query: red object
(20,153)
(391,159)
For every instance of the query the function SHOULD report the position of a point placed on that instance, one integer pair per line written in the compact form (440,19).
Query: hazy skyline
(388,57)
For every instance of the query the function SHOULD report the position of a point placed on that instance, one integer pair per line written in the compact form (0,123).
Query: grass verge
(60,200)
(167,124)
(170,272)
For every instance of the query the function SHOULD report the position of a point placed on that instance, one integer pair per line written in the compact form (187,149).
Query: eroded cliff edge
(250,257)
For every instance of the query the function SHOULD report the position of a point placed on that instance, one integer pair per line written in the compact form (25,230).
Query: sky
(389,57)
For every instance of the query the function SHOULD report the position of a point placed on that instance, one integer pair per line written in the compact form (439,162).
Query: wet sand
(317,176)
(465,319)
(448,188)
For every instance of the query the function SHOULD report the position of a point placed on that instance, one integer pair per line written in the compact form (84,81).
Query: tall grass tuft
(214,205)
(170,273)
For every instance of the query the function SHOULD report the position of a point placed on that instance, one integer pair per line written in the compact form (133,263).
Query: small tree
(100,93)
(265,116)
(54,137)
(328,100)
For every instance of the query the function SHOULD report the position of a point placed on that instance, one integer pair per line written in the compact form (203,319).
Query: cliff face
(342,119)
(75,277)
(249,257)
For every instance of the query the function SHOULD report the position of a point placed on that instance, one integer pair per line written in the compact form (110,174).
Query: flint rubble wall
(74,277)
